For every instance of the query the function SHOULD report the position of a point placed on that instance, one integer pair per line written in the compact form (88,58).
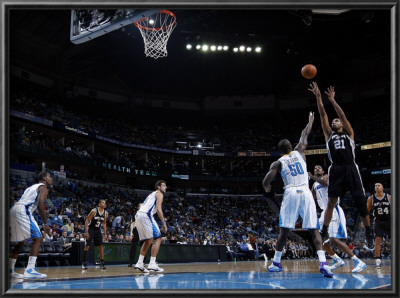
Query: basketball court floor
(244,275)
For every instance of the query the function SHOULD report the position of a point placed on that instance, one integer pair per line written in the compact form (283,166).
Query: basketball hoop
(155,31)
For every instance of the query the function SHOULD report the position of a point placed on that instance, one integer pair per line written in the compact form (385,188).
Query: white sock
(12,264)
(336,257)
(31,262)
(354,258)
(141,259)
(152,260)
(321,255)
(277,256)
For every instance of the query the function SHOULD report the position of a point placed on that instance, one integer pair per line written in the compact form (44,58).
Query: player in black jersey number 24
(380,204)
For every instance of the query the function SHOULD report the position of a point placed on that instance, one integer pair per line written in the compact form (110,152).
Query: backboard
(87,24)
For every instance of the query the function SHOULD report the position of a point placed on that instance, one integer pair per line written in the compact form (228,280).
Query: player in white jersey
(148,229)
(297,197)
(23,225)
(337,227)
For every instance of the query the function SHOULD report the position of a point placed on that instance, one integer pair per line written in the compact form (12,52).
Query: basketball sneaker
(378,264)
(84,266)
(275,267)
(154,267)
(324,269)
(140,266)
(358,266)
(102,266)
(31,273)
(14,274)
(336,264)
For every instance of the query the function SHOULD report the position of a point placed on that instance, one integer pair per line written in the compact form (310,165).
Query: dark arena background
(86,104)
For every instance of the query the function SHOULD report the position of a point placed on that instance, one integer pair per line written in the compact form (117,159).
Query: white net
(156,31)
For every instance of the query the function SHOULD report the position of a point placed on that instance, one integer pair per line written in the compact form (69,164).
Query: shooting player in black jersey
(380,204)
(93,222)
(343,173)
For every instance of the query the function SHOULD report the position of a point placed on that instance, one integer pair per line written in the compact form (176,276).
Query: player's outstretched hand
(331,93)
(314,89)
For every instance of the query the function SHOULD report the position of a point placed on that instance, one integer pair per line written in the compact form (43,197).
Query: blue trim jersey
(22,222)
(145,224)
(322,195)
(294,170)
(149,205)
(337,226)
(30,197)
(297,197)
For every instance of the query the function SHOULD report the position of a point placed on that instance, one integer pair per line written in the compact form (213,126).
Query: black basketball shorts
(343,178)
(95,236)
(382,227)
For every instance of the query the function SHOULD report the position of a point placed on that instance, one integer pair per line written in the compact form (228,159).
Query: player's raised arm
(302,145)
(323,180)
(346,124)
(326,128)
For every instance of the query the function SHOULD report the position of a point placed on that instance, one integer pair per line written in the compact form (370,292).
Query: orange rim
(156,29)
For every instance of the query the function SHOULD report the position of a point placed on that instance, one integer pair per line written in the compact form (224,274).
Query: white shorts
(337,227)
(22,224)
(146,226)
(298,201)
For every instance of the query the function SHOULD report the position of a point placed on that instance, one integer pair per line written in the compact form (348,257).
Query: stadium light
(204,48)
(213,48)
(248,49)
(258,49)
(225,48)
(198,47)
(242,48)
(235,50)
(188,46)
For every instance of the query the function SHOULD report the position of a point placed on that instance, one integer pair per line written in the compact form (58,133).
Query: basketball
(309,71)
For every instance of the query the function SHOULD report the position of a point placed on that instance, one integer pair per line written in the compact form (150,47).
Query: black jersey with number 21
(341,149)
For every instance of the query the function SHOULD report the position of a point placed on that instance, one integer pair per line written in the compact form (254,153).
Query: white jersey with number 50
(294,170)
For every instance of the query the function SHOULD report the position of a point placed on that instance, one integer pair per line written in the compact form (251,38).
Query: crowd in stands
(239,132)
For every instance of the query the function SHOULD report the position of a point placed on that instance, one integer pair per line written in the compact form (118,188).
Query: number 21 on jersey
(296,169)
(339,144)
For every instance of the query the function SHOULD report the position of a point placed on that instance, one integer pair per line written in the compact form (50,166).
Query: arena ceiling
(347,47)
